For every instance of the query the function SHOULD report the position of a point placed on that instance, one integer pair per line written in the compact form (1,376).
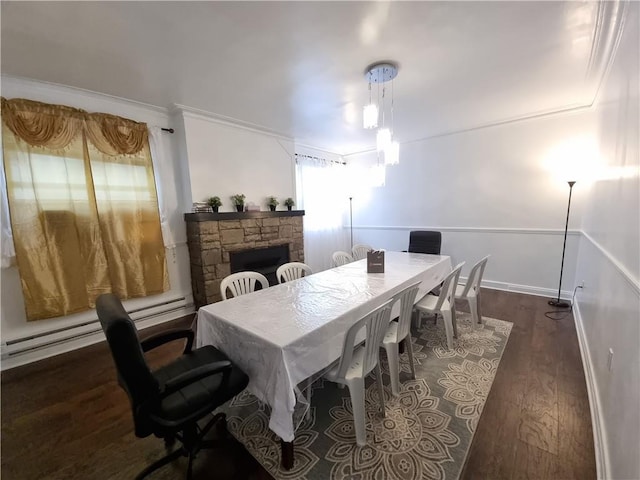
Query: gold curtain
(83,205)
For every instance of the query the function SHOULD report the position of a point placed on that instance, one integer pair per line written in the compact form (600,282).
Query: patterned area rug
(427,430)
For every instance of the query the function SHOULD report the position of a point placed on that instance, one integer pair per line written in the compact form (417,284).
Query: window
(83,207)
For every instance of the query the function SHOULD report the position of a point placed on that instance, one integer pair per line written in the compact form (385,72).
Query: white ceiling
(297,68)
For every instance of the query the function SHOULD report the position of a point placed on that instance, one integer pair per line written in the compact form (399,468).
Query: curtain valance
(56,126)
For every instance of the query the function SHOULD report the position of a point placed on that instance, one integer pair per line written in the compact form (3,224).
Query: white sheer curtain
(322,193)
(8,249)
(159,164)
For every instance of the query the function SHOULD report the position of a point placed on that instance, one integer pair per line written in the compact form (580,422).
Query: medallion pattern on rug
(427,429)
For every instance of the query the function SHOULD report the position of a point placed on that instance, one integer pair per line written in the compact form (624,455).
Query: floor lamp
(556,302)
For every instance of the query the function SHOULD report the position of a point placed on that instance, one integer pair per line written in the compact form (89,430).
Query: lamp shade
(370,116)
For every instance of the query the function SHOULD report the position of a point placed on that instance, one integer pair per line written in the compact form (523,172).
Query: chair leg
(448,327)
(169,442)
(309,383)
(473,307)
(190,467)
(356,391)
(410,354)
(478,305)
(417,319)
(380,389)
(394,367)
(454,321)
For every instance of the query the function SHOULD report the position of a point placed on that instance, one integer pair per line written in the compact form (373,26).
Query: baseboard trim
(597,420)
(92,334)
(526,289)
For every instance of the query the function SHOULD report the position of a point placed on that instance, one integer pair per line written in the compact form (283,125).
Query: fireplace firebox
(262,260)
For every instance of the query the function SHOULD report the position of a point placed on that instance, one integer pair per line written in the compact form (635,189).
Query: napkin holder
(375,261)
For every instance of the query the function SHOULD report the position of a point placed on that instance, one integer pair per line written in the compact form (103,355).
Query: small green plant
(238,200)
(272,201)
(214,202)
(289,202)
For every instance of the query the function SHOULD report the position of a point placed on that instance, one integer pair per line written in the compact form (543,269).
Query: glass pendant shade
(370,116)
(383,139)
(392,154)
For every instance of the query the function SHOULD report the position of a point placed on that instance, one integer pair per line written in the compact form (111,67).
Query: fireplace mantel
(210,216)
(211,238)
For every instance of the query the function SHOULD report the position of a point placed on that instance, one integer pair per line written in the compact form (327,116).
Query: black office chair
(425,241)
(170,401)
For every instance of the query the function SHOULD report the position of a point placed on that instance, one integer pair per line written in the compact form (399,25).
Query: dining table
(282,335)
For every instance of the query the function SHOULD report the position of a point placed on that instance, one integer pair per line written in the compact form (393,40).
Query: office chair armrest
(192,376)
(161,338)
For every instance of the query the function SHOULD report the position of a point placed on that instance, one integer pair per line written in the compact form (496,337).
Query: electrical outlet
(610,359)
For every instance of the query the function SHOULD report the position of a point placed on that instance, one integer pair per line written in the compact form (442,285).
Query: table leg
(287,454)
(401,347)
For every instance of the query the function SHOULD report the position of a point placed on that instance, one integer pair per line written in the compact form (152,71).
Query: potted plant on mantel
(273,203)
(238,201)
(289,203)
(214,203)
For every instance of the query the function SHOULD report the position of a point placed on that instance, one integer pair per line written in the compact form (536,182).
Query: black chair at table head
(425,241)
(169,401)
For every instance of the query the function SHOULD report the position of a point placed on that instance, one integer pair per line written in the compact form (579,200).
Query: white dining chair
(292,271)
(471,290)
(340,258)
(241,283)
(360,250)
(357,362)
(399,331)
(442,304)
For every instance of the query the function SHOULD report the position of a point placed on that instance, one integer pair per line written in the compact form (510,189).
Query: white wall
(226,159)
(494,190)
(609,264)
(12,315)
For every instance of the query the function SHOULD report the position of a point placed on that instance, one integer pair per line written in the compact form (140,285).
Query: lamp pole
(556,302)
(351,219)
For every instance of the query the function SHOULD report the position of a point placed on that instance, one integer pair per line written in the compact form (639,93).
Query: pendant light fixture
(375,113)
(370,112)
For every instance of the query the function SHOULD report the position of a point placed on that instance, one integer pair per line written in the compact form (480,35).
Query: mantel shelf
(221,216)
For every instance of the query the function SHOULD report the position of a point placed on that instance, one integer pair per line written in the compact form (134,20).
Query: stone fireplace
(212,237)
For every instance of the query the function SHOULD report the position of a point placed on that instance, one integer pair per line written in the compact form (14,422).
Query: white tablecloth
(284,334)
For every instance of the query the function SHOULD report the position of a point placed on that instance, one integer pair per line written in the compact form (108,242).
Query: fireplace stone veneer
(212,236)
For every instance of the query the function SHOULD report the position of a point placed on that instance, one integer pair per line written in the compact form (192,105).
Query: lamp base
(559,303)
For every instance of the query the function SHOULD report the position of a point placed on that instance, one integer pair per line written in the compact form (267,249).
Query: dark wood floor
(65,417)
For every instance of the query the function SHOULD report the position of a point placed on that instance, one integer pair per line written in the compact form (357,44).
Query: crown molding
(317,149)
(50,87)
(199,114)
(610,22)
(563,110)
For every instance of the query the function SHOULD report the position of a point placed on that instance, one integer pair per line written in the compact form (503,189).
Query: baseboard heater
(170,306)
